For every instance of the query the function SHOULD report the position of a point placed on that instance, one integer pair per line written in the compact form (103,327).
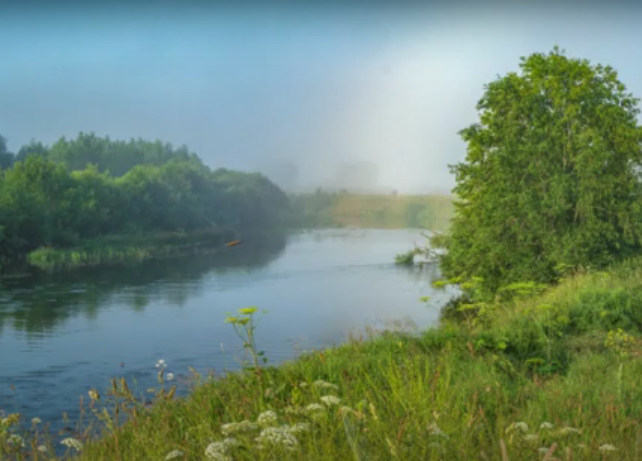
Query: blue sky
(251,89)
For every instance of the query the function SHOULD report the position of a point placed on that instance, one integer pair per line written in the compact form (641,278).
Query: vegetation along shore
(538,358)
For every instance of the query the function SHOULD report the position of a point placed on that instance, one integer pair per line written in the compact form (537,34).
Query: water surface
(62,334)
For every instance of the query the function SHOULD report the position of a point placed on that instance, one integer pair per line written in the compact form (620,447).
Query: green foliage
(550,181)
(45,205)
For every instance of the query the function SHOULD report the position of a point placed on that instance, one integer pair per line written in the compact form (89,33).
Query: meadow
(541,373)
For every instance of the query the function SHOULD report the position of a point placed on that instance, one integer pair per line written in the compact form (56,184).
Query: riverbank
(130,248)
(550,372)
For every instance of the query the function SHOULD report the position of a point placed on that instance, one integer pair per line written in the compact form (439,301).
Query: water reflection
(39,302)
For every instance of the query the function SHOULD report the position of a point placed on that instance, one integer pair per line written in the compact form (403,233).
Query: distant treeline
(89,187)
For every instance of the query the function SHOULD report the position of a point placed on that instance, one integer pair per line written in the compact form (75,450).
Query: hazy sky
(250,88)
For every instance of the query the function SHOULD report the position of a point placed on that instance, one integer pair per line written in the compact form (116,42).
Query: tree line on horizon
(88,187)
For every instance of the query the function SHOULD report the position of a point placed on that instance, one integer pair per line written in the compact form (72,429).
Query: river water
(63,333)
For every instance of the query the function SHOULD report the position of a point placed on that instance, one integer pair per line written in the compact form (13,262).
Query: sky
(299,93)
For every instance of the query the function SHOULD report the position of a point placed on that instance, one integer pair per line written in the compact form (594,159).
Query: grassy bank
(393,212)
(123,248)
(556,371)
(331,209)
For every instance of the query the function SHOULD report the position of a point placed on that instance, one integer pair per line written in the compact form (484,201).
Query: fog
(363,98)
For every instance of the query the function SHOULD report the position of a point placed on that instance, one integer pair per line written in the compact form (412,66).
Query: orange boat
(233,243)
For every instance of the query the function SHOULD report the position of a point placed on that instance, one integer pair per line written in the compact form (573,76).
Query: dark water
(62,334)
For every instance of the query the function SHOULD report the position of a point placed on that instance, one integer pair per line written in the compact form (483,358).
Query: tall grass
(124,248)
(552,372)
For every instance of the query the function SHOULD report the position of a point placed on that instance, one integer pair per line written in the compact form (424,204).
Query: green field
(375,211)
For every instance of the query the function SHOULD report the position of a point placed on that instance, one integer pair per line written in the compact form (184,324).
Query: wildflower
(290,410)
(581,445)
(569,430)
(174,454)
(170,376)
(42,449)
(72,443)
(36,420)
(299,427)
(238,428)
(93,394)
(15,439)
(436,431)
(278,436)
(522,426)
(303,385)
(161,364)
(344,410)
(543,450)
(267,418)
(531,437)
(314,407)
(319,384)
(607,447)
(217,451)
(331,400)
(546,425)
(248,310)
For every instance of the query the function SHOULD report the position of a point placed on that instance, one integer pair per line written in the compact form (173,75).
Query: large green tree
(551,177)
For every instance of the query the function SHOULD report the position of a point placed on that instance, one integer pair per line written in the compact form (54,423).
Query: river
(63,333)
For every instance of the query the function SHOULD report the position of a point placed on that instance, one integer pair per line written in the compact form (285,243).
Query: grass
(541,371)
(325,209)
(123,248)
(393,212)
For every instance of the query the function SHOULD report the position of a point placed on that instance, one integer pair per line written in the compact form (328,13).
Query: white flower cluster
(15,439)
(278,436)
(218,451)
(72,443)
(569,430)
(315,408)
(546,425)
(267,418)
(320,384)
(173,455)
(331,400)
(239,428)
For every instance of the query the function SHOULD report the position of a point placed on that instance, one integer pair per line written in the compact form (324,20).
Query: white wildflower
(319,384)
(331,400)
(433,429)
(161,364)
(546,425)
(15,439)
(531,437)
(522,426)
(298,428)
(174,454)
(278,436)
(581,445)
(42,449)
(239,428)
(543,450)
(290,410)
(314,407)
(569,430)
(217,451)
(36,420)
(345,410)
(607,447)
(170,376)
(303,385)
(267,418)
(72,443)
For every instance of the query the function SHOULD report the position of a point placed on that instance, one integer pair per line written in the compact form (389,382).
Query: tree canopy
(551,177)
(92,187)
